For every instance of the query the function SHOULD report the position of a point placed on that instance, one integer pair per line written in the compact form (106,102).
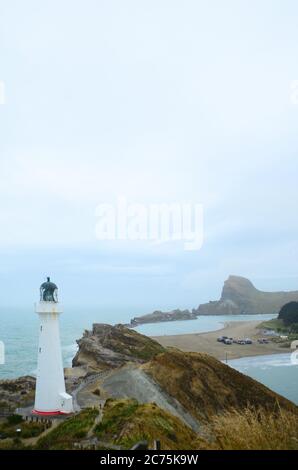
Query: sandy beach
(207,342)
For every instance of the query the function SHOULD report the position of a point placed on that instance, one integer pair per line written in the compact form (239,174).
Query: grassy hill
(205,387)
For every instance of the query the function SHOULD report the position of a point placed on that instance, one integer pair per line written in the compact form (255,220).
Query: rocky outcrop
(158,316)
(108,346)
(16,392)
(239,296)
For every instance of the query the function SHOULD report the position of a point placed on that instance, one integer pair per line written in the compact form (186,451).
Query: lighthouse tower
(50,395)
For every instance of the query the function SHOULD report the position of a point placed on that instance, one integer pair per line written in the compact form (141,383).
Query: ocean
(276,371)
(19,332)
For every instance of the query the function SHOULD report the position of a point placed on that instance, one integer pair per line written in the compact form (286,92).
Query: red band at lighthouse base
(48,413)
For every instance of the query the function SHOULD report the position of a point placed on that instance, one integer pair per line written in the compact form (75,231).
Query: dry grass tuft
(252,429)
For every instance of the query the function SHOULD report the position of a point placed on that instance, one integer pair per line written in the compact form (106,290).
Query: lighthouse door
(66,403)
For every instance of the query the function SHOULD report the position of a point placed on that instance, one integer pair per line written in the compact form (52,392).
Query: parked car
(228,341)
(263,341)
(248,341)
(221,339)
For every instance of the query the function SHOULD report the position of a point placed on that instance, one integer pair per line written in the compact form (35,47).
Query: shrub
(14,419)
(289,313)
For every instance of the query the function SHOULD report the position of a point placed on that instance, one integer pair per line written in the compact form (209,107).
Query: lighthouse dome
(48,291)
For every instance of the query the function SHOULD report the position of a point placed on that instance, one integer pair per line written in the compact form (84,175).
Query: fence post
(156,445)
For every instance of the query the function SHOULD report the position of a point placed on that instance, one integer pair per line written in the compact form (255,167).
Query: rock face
(158,316)
(239,296)
(16,393)
(108,346)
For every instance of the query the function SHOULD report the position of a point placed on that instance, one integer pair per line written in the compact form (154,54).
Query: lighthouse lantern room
(50,395)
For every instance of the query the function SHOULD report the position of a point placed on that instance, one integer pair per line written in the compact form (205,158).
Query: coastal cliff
(239,296)
(108,346)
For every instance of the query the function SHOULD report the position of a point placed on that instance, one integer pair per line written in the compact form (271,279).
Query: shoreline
(136,325)
(207,342)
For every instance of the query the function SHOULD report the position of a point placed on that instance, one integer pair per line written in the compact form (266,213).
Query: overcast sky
(160,101)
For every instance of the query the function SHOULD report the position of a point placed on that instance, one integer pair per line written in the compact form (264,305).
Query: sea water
(201,324)
(277,371)
(19,332)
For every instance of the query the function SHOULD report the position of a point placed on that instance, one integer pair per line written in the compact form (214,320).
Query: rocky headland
(158,316)
(239,297)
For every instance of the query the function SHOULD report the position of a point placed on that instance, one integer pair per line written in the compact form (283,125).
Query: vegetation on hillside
(8,429)
(289,316)
(205,387)
(285,324)
(251,429)
(126,422)
(133,347)
(69,431)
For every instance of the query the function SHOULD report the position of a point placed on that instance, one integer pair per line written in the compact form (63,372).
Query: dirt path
(97,420)
(83,396)
(33,440)
(207,342)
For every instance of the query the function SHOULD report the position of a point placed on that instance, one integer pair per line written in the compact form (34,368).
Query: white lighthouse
(50,395)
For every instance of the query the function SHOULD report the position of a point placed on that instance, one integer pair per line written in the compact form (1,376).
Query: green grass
(126,422)
(274,324)
(28,429)
(69,431)
(117,413)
